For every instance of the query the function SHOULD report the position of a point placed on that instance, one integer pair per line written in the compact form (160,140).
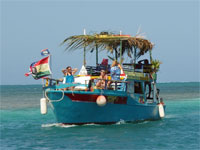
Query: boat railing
(50,81)
(143,68)
(96,70)
(117,85)
(133,71)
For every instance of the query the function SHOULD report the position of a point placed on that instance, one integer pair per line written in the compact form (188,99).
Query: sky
(29,26)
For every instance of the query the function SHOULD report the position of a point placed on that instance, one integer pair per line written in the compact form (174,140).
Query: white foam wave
(120,122)
(144,122)
(91,124)
(66,126)
(57,125)
(170,116)
(49,125)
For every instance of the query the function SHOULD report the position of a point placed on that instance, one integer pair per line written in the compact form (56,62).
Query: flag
(45,52)
(40,68)
(30,69)
(27,74)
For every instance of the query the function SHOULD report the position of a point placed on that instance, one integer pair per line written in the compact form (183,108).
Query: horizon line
(157,82)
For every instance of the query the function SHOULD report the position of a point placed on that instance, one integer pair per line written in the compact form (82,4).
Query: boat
(133,98)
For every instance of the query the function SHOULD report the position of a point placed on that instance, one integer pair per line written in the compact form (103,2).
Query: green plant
(156,65)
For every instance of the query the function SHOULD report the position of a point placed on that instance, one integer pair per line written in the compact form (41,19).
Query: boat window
(138,87)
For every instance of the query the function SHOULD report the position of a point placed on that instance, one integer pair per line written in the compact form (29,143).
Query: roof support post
(84,57)
(134,63)
(120,52)
(96,55)
(115,53)
(84,51)
(150,53)
(134,55)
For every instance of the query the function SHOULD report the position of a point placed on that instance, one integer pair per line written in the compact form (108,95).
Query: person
(146,62)
(69,76)
(102,82)
(115,70)
(149,85)
(152,76)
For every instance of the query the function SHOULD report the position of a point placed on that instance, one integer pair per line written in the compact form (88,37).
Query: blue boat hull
(76,111)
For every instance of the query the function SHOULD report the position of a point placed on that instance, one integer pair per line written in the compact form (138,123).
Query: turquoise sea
(23,127)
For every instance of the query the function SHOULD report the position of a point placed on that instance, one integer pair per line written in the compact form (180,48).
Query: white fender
(161,110)
(43,106)
(101,100)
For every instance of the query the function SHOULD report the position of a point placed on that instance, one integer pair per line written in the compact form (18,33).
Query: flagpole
(50,65)
(43,87)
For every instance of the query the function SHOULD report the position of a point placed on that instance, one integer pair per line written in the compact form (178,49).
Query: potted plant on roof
(155,65)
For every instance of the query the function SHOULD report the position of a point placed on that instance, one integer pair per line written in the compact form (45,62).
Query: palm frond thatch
(110,42)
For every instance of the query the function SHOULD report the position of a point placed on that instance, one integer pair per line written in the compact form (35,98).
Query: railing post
(106,81)
(115,85)
(154,91)
(126,87)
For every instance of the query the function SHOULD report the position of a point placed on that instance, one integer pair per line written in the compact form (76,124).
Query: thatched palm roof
(110,42)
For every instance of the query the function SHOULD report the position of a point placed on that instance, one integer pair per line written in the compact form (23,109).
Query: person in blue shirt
(115,70)
(68,74)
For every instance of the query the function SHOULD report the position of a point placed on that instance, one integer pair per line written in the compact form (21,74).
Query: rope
(45,93)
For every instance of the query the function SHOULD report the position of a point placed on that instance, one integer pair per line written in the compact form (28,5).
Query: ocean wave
(120,122)
(170,116)
(57,125)
(66,125)
(91,124)
(73,125)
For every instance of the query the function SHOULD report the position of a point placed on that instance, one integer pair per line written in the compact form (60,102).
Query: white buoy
(161,110)
(101,100)
(43,106)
